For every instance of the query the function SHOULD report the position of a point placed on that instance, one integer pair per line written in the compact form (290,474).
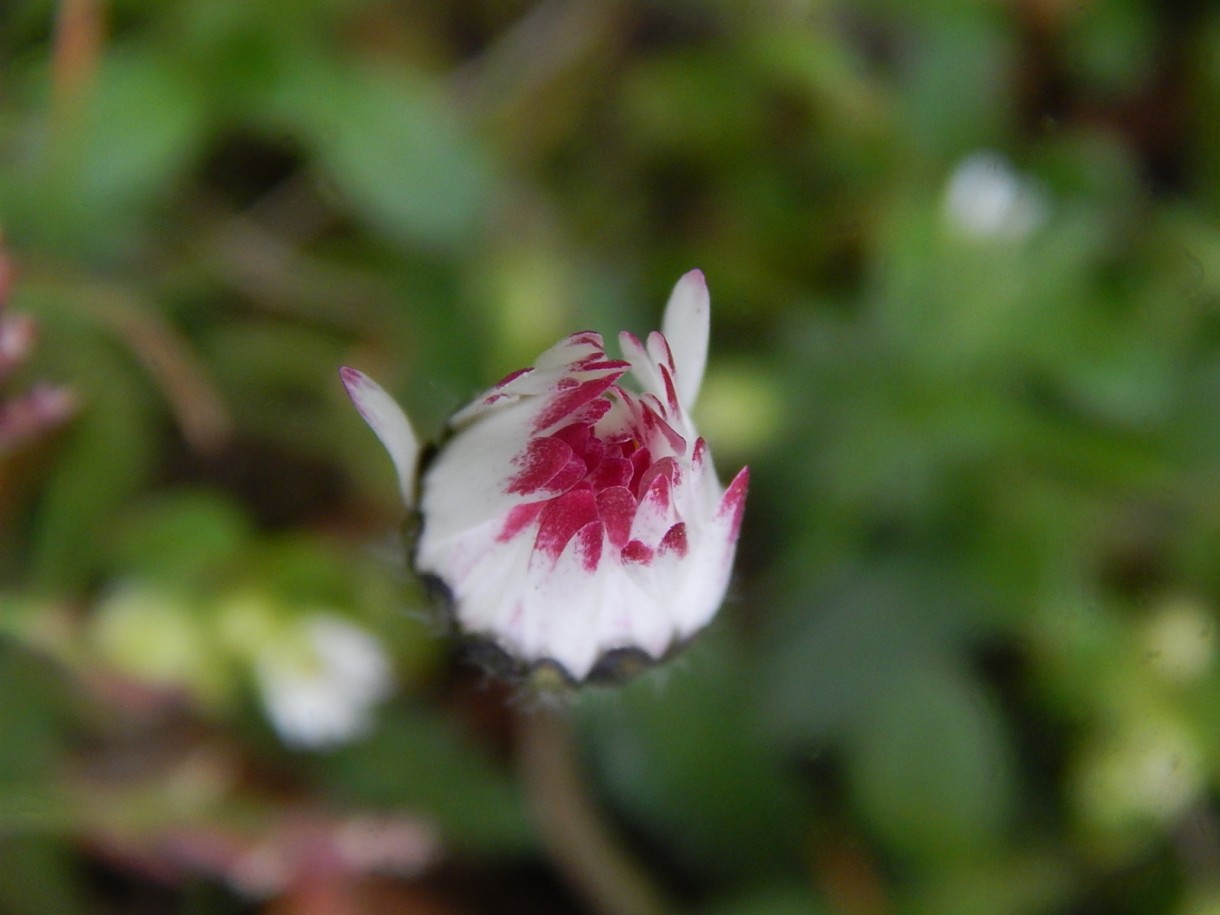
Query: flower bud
(575,521)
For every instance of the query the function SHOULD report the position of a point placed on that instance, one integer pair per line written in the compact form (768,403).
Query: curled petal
(541,462)
(642,364)
(733,505)
(390,423)
(565,402)
(616,506)
(563,518)
(573,349)
(686,326)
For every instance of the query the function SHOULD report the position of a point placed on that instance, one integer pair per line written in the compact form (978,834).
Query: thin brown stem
(192,395)
(580,842)
(79,34)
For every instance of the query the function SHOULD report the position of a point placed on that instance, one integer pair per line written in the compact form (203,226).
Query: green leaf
(106,455)
(957,86)
(39,877)
(931,768)
(846,645)
(33,718)
(395,149)
(180,536)
(682,751)
(96,185)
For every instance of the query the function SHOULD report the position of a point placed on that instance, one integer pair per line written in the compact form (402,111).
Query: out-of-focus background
(965,268)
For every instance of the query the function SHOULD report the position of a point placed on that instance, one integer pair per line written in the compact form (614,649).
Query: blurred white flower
(1179,639)
(157,635)
(569,517)
(1151,770)
(986,198)
(319,684)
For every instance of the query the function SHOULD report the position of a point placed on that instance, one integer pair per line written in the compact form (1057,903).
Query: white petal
(634,613)
(560,612)
(490,599)
(642,365)
(570,349)
(390,423)
(466,486)
(469,483)
(698,585)
(686,326)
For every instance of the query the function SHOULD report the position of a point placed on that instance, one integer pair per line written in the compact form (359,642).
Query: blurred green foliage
(965,266)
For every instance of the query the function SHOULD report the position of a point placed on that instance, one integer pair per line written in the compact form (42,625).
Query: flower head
(569,516)
(320,684)
(987,199)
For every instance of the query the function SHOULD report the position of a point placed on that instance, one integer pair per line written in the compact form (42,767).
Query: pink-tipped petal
(686,326)
(386,418)
(733,505)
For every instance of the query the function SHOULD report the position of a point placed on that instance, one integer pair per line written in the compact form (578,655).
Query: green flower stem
(579,841)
